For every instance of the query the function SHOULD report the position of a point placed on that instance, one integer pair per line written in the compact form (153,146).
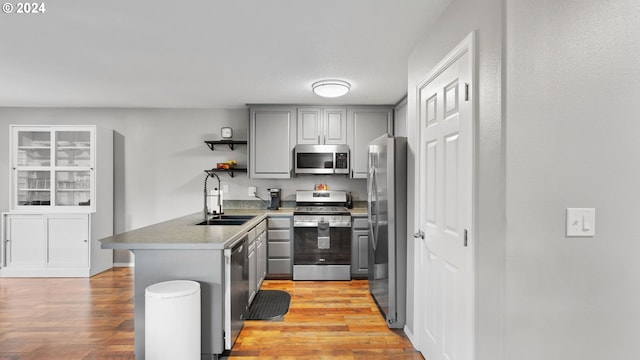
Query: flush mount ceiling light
(330,88)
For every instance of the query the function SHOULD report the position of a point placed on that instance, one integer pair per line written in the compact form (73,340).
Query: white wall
(160,158)
(457,21)
(573,83)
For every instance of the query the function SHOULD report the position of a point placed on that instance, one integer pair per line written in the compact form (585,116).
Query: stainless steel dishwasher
(236,290)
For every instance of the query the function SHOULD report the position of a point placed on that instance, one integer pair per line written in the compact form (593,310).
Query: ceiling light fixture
(331,88)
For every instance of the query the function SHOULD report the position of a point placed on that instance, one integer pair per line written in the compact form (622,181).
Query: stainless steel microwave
(321,159)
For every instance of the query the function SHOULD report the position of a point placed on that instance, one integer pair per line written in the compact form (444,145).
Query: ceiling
(208,53)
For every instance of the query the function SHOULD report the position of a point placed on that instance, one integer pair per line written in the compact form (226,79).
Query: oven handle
(309,224)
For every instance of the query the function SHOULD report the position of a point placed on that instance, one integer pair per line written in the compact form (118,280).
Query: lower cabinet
(257,256)
(280,247)
(359,247)
(51,245)
(261,251)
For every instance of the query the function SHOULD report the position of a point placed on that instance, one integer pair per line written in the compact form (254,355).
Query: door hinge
(466,91)
(465,237)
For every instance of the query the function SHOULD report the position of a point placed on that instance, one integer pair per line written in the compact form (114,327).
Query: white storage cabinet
(59,208)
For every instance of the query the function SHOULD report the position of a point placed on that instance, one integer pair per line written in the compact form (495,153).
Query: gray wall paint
(457,21)
(573,82)
(160,157)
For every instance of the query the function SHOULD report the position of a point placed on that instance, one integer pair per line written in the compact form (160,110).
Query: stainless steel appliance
(322,236)
(236,290)
(321,159)
(274,198)
(387,198)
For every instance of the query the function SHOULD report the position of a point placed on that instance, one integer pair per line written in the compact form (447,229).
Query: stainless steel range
(322,236)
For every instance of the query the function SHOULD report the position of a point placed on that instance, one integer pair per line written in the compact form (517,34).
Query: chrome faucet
(210,173)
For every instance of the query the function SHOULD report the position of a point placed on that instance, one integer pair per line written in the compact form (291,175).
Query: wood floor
(75,318)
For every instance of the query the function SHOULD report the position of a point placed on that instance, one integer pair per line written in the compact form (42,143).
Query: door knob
(419,234)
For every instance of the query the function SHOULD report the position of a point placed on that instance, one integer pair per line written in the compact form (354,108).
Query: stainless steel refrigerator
(387,202)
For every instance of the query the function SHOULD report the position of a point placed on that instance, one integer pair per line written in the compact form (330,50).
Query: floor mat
(269,305)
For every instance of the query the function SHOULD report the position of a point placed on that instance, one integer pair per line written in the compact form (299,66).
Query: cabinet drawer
(279,266)
(276,235)
(279,249)
(360,223)
(279,223)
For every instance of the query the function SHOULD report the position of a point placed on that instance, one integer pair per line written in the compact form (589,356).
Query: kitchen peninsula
(179,249)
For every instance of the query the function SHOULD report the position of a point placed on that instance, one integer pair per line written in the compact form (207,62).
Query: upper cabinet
(275,130)
(322,125)
(53,168)
(272,131)
(366,123)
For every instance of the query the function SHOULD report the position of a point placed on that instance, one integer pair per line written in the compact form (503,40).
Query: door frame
(467,45)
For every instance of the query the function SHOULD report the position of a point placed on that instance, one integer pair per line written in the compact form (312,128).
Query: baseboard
(129,264)
(409,334)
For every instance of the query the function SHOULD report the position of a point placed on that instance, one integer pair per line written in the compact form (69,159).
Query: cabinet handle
(85,240)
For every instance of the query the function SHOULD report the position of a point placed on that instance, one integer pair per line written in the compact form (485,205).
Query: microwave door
(314,163)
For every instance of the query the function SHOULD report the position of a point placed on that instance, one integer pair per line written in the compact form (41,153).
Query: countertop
(182,233)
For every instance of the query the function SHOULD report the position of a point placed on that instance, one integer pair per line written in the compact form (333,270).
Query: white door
(444,247)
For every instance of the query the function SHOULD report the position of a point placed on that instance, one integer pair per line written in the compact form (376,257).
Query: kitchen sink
(227,220)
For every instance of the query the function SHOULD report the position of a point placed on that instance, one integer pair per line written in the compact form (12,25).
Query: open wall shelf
(231,143)
(231,172)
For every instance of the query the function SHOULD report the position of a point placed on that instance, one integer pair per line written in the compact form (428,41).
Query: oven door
(312,246)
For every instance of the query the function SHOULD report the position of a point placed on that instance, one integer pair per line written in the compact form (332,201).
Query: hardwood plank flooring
(326,320)
(92,319)
(67,318)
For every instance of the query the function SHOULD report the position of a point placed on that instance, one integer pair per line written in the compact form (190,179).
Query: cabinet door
(360,252)
(25,241)
(272,135)
(253,272)
(334,126)
(367,124)
(261,252)
(53,167)
(309,125)
(68,237)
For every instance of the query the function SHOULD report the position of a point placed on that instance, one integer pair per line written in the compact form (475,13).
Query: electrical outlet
(252,191)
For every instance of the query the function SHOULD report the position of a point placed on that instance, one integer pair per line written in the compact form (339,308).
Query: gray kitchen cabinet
(271,142)
(359,247)
(366,123)
(279,247)
(253,265)
(322,125)
(261,251)
(257,257)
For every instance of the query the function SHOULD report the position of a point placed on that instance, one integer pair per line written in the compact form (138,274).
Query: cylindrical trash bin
(172,320)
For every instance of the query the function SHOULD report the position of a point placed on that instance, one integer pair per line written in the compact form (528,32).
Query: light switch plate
(581,222)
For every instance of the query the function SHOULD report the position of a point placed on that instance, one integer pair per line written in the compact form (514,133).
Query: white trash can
(172,320)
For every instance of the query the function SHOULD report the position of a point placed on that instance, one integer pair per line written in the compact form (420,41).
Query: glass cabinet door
(73,188)
(34,188)
(34,148)
(53,167)
(73,148)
